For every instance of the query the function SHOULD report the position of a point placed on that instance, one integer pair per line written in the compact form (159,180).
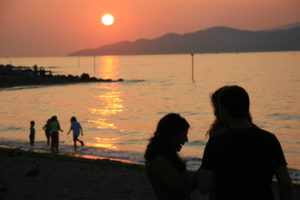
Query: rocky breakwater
(11,76)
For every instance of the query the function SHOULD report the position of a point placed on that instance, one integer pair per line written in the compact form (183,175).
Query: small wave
(134,80)
(196,143)
(282,116)
(134,141)
(11,128)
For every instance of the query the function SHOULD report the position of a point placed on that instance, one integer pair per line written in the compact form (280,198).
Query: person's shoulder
(76,123)
(265,135)
(219,136)
(215,138)
(263,132)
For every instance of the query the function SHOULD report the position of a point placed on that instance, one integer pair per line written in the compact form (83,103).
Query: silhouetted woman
(165,169)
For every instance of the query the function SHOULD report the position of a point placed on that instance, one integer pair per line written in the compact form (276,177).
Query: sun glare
(108,19)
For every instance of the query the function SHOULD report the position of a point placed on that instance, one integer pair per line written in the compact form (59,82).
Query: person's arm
(191,179)
(206,175)
(69,130)
(59,127)
(281,172)
(32,131)
(285,183)
(170,176)
(205,180)
(81,130)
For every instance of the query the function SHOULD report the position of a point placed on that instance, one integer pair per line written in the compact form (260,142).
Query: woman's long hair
(161,142)
(218,124)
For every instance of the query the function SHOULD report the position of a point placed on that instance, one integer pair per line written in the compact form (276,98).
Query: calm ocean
(119,118)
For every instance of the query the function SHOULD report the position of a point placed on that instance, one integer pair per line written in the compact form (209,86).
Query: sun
(108,19)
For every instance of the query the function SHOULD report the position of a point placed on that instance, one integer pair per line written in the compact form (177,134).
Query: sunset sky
(59,27)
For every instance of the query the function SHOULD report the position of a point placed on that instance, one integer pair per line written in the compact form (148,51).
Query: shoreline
(41,175)
(72,155)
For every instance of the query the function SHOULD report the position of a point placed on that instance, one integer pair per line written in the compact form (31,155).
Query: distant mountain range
(216,39)
(285,27)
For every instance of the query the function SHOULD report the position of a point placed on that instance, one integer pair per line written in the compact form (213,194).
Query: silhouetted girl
(54,129)
(165,169)
(77,129)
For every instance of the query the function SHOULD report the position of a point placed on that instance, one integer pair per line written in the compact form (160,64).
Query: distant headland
(212,40)
(11,76)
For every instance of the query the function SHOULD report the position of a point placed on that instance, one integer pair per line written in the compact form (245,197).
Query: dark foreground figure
(240,160)
(166,171)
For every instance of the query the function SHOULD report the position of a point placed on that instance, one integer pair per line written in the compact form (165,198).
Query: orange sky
(59,27)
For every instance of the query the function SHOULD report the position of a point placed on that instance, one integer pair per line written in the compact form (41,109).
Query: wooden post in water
(94,65)
(193,67)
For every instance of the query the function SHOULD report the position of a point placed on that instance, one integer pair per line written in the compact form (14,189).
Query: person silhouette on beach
(32,133)
(77,129)
(54,132)
(240,160)
(219,126)
(166,171)
(46,128)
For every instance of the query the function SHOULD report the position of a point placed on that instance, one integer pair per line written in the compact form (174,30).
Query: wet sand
(36,175)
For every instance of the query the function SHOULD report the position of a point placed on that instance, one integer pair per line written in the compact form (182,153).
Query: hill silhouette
(216,39)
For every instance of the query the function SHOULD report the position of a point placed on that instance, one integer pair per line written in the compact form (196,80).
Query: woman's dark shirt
(162,190)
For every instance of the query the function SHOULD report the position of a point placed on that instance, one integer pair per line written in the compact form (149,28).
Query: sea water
(118,118)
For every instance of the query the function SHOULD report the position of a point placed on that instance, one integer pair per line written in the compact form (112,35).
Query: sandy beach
(63,177)
(33,175)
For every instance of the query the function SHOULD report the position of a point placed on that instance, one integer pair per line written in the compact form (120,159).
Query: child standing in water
(54,130)
(32,133)
(77,129)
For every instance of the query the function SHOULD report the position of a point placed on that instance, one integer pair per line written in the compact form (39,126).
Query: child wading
(32,133)
(54,130)
(77,129)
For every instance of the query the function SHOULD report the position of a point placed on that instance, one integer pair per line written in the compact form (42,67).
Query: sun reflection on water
(103,124)
(109,96)
(107,143)
(109,103)
(113,103)
(108,67)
